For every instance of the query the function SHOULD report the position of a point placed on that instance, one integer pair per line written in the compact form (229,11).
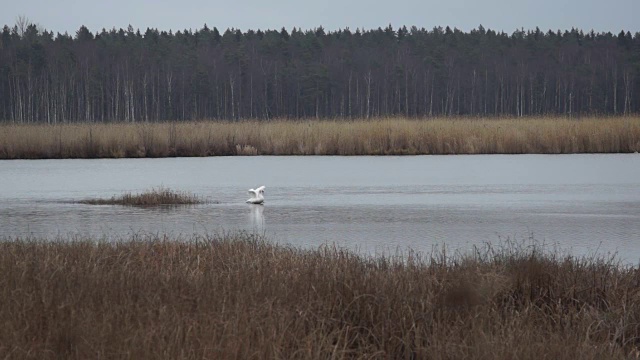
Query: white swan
(257,195)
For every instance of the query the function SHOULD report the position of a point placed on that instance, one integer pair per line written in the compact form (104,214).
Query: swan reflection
(256,218)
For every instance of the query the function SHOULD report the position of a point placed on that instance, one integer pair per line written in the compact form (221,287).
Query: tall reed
(389,136)
(152,197)
(238,296)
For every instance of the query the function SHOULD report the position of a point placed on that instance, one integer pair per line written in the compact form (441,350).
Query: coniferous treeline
(126,75)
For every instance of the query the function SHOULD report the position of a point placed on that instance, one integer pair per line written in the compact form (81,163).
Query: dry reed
(392,136)
(238,296)
(153,197)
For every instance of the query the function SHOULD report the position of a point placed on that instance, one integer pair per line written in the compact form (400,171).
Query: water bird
(257,195)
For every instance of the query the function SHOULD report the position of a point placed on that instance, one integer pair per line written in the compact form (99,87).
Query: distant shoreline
(384,136)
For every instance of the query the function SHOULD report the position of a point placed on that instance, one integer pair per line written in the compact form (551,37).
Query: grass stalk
(386,136)
(154,197)
(239,296)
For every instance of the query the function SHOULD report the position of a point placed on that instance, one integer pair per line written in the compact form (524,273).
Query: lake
(585,204)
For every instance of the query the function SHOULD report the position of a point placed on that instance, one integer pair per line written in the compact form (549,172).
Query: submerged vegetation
(153,197)
(238,296)
(385,136)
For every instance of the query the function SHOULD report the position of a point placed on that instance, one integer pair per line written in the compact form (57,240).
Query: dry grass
(153,197)
(241,297)
(393,136)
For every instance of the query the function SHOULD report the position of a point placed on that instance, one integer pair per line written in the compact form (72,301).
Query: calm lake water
(584,203)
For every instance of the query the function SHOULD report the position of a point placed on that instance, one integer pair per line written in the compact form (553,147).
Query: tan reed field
(387,136)
(239,296)
(152,197)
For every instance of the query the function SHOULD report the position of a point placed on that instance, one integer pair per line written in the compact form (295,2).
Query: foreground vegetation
(241,297)
(392,136)
(153,197)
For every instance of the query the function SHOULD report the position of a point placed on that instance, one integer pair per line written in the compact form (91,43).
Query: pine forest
(133,76)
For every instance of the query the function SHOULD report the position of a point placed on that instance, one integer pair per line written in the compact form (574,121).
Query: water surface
(585,203)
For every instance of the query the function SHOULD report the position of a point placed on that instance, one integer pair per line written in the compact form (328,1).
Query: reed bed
(152,197)
(389,136)
(239,296)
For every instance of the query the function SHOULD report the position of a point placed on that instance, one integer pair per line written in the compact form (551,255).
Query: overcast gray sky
(505,15)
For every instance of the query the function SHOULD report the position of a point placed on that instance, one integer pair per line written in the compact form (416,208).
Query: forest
(125,75)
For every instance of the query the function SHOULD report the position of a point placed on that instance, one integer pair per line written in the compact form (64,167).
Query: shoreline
(374,137)
(242,296)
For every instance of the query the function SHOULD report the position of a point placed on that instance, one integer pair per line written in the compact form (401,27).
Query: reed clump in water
(153,197)
(386,136)
(238,296)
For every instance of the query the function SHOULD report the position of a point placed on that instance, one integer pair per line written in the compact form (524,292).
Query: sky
(501,15)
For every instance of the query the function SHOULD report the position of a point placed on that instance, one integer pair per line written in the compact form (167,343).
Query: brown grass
(393,136)
(241,297)
(153,197)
